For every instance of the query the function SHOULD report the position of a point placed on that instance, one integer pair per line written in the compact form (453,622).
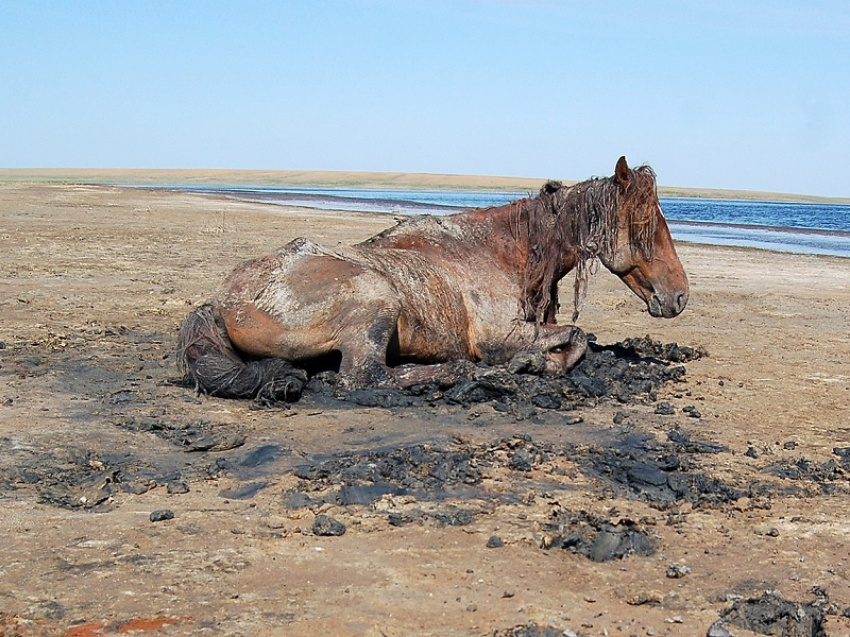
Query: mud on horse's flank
(420,302)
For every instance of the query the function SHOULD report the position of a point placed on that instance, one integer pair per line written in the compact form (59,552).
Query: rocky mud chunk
(660,474)
(770,614)
(596,538)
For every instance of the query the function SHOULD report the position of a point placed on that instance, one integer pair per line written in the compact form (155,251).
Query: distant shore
(348,179)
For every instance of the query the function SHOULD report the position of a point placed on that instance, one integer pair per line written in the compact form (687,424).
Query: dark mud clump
(661,474)
(627,372)
(596,538)
(645,347)
(636,466)
(530,630)
(830,477)
(772,615)
(327,526)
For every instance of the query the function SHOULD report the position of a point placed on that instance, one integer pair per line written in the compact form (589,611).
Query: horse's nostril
(681,301)
(655,306)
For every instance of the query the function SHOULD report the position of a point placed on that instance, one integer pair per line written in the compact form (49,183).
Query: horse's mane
(583,219)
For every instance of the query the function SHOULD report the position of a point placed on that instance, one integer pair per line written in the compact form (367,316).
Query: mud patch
(409,484)
(829,477)
(71,478)
(420,468)
(596,538)
(633,464)
(88,478)
(199,435)
(638,466)
(770,614)
(627,372)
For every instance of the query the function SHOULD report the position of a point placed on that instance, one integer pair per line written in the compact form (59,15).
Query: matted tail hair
(212,365)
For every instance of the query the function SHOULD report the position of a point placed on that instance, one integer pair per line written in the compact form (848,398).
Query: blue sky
(724,94)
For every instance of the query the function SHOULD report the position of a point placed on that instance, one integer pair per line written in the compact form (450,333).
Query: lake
(803,228)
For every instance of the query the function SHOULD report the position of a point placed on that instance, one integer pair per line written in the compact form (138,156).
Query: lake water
(803,228)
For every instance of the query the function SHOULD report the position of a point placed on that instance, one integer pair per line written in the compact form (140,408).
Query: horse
(425,300)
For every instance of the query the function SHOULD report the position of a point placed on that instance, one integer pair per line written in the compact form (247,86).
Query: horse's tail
(212,365)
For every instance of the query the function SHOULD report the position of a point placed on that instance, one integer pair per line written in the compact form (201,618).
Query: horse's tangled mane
(583,219)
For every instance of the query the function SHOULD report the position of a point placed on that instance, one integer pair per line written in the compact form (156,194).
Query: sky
(748,95)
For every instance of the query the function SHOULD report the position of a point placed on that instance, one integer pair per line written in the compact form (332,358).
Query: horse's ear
(622,173)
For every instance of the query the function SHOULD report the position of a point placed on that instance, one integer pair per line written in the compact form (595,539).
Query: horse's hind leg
(364,342)
(213,366)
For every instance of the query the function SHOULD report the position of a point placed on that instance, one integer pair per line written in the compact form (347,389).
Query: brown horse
(422,300)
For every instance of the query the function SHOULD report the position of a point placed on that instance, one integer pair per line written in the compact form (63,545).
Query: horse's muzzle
(667,306)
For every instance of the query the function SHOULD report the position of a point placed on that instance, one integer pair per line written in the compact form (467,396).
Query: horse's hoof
(578,338)
(564,359)
(284,389)
(528,362)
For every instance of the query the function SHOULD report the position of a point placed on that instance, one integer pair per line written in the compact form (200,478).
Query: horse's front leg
(364,348)
(561,359)
(563,346)
(440,374)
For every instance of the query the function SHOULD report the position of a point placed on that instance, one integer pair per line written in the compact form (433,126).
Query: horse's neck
(553,250)
(501,232)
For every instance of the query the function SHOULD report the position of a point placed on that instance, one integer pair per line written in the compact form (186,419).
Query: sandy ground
(94,282)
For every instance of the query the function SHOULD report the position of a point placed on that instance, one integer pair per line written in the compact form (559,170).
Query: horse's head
(644,256)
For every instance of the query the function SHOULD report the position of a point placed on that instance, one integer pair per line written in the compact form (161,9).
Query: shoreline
(768,238)
(328,202)
(772,238)
(353,179)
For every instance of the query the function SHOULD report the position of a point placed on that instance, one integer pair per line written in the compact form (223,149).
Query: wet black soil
(659,473)
(648,450)
(627,372)
(770,614)
(628,459)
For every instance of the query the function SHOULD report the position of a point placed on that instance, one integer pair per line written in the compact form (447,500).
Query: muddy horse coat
(422,300)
